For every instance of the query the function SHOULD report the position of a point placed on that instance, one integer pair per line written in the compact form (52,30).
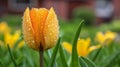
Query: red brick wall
(3,7)
(64,7)
(117,9)
(61,7)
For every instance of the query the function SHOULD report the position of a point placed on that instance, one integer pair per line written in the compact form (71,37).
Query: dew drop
(48,26)
(41,26)
(33,41)
(27,20)
(45,37)
(28,28)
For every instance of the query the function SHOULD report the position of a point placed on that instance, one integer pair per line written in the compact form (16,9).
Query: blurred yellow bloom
(40,28)
(4,27)
(21,44)
(11,39)
(83,47)
(106,37)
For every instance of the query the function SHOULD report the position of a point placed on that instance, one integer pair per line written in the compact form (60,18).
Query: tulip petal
(82,46)
(51,29)
(28,30)
(67,46)
(93,48)
(38,17)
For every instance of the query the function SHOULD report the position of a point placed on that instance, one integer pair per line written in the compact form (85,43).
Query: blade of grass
(74,60)
(82,62)
(54,53)
(97,53)
(89,62)
(14,62)
(62,56)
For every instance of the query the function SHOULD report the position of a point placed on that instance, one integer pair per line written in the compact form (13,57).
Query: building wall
(61,7)
(117,9)
(20,5)
(64,8)
(3,7)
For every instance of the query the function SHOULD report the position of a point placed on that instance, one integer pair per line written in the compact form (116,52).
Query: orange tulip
(40,28)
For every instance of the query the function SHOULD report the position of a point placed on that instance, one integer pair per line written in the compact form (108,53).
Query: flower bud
(40,28)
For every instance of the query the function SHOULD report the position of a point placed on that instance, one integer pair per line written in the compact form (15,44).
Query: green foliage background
(108,56)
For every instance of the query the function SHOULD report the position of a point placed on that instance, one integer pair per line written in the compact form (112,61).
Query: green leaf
(111,59)
(64,63)
(14,62)
(82,62)
(54,53)
(46,59)
(28,57)
(20,60)
(1,64)
(89,62)
(97,53)
(48,54)
(74,60)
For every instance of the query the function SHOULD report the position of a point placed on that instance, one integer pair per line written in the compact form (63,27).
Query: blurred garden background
(101,29)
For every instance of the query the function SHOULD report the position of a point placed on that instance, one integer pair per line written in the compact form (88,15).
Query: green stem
(97,53)
(41,59)
(14,62)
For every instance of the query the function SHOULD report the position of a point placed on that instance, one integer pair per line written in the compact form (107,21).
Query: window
(20,5)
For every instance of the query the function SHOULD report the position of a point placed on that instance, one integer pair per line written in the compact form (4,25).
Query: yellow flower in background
(40,28)
(83,47)
(67,46)
(21,44)
(4,27)
(11,39)
(106,37)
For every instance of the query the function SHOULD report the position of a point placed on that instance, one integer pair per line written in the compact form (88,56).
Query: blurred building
(62,7)
(16,6)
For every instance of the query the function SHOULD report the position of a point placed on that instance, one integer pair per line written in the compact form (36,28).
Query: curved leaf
(54,53)
(62,57)
(89,62)
(82,62)
(74,60)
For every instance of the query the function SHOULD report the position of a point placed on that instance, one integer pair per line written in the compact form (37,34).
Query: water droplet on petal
(27,20)
(33,41)
(28,28)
